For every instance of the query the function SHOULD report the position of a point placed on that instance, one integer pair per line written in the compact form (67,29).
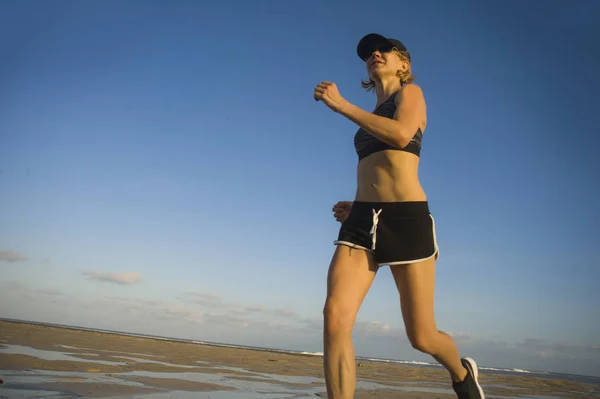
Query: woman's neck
(385,89)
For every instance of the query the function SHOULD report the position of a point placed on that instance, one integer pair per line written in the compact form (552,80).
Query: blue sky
(164,169)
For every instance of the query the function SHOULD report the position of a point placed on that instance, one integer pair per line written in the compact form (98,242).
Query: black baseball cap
(374,41)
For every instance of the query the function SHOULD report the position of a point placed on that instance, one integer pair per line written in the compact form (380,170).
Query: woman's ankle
(461,377)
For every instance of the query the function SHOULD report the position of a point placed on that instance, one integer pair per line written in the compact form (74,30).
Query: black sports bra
(366,144)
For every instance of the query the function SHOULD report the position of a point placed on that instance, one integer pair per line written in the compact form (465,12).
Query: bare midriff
(389,176)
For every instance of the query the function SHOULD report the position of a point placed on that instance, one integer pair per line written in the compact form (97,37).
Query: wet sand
(53,362)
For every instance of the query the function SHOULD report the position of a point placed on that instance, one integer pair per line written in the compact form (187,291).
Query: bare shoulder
(411,101)
(410,92)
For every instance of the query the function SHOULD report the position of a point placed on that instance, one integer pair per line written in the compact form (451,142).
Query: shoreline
(96,363)
(295,352)
(167,339)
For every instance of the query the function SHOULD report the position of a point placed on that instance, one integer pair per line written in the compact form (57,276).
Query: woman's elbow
(404,137)
(402,141)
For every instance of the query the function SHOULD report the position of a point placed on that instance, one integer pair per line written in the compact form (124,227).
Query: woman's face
(384,62)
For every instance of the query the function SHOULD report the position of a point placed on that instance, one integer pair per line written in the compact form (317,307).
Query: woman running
(388,223)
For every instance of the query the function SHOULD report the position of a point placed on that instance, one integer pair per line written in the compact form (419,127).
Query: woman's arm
(398,131)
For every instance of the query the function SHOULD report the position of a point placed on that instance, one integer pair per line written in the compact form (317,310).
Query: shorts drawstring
(374,228)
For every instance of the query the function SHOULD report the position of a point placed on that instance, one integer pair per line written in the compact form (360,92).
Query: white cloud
(462,336)
(50,292)
(373,327)
(236,310)
(12,285)
(285,312)
(227,319)
(546,348)
(204,299)
(259,309)
(11,256)
(149,310)
(135,303)
(45,295)
(126,278)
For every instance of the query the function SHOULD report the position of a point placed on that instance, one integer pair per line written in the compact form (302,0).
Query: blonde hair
(405,77)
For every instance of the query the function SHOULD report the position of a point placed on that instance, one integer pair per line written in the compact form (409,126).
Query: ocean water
(509,372)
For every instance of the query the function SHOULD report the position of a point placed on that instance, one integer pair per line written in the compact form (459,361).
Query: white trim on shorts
(352,245)
(436,250)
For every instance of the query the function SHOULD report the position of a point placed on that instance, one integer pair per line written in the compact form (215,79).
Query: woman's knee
(424,340)
(339,318)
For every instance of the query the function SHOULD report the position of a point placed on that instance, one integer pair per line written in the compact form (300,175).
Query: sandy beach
(52,362)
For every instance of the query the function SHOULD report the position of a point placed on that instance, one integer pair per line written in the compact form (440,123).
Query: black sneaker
(469,388)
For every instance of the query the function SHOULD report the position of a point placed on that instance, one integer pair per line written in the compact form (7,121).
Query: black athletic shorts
(395,232)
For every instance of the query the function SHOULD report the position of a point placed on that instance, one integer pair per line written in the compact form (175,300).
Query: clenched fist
(329,94)
(341,210)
